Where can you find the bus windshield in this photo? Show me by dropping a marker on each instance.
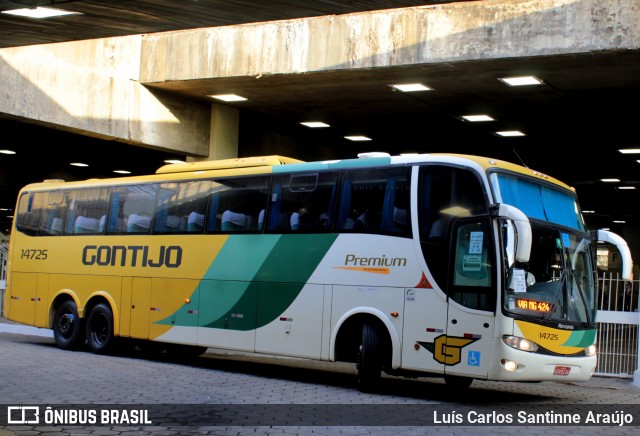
(557, 284)
(538, 201)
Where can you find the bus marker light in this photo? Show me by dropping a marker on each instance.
(187, 300)
(394, 314)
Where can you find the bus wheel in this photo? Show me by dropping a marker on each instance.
(100, 329)
(458, 383)
(370, 359)
(68, 330)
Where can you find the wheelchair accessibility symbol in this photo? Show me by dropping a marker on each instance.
(473, 358)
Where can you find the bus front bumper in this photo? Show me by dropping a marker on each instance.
(510, 364)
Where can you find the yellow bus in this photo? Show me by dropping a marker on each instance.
(458, 266)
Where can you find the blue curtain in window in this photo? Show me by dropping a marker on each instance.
(345, 202)
(332, 206)
(274, 210)
(561, 209)
(540, 202)
(213, 212)
(114, 208)
(386, 221)
(523, 195)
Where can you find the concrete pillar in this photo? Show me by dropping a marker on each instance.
(223, 134)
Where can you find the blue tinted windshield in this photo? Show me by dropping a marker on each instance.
(539, 201)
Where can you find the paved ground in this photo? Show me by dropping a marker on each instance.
(226, 394)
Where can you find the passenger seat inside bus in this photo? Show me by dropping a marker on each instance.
(138, 223)
(85, 224)
(195, 222)
(233, 221)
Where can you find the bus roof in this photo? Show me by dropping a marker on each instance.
(281, 164)
(487, 163)
(224, 164)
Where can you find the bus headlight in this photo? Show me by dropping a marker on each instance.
(520, 343)
(590, 350)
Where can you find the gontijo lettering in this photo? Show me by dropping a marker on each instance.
(132, 255)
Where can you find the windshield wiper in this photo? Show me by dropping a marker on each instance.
(554, 298)
(582, 297)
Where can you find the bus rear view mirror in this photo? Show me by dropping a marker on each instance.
(523, 230)
(623, 248)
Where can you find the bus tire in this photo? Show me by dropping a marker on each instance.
(68, 328)
(100, 329)
(370, 359)
(457, 382)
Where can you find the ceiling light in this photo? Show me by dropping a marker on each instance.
(619, 221)
(610, 180)
(7, 152)
(357, 138)
(227, 97)
(39, 12)
(626, 187)
(629, 150)
(78, 164)
(174, 161)
(314, 124)
(477, 118)
(521, 80)
(411, 87)
(588, 211)
(122, 171)
(508, 133)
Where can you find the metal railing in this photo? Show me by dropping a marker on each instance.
(618, 323)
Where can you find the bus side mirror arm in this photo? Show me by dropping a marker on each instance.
(523, 229)
(623, 248)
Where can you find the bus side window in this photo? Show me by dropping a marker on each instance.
(236, 204)
(375, 201)
(131, 208)
(445, 195)
(53, 214)
(302, 203)
(181, 207)
(30, 209)
(87, 210)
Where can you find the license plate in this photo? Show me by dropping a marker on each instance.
(561, 370)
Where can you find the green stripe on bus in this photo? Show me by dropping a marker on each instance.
(581, 338)
(277, 283)
(267, 269)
